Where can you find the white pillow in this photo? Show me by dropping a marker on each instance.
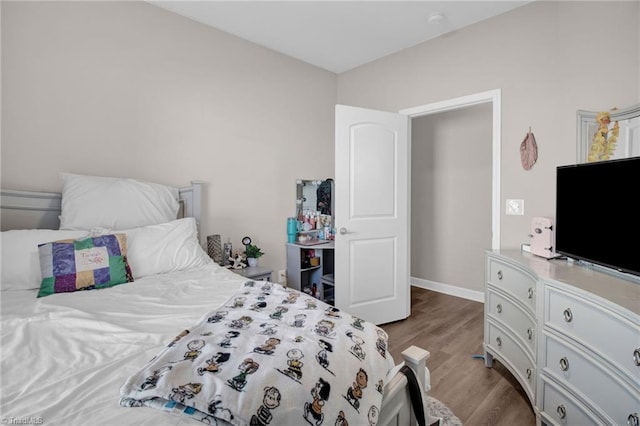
(20, 259)
(167, 247)
(115, 203)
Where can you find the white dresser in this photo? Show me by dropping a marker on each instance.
(569, 334)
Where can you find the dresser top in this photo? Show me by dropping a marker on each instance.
(622, 292)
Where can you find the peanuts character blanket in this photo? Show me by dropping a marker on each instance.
(269, 356)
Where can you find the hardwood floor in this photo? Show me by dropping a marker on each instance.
(451, 329)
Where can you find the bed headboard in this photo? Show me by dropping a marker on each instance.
(41, 210)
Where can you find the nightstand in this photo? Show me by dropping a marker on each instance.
(255, 273)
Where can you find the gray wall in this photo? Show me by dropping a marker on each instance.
(549, 58)
(129, 89)
(451, 196)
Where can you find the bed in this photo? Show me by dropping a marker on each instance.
(171, 337)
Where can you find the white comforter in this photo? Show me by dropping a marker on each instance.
(65, 356)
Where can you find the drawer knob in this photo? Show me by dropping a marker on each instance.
(528, 373)
(633, 420)
(561, 411)
(529, 333)
(499, 341)
(499, 275)
(530, 293)
(568, 315)
(636, 357)
(499, 308)
(564, 364)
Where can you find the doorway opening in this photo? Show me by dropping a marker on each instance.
(452, 203)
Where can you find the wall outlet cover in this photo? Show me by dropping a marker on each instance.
(515, 207)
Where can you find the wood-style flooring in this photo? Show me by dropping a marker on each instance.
(451, 329)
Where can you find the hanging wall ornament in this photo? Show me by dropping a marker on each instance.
(528, 151)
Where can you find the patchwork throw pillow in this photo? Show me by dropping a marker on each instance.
(84, 264)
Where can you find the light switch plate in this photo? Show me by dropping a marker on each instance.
(515, 207)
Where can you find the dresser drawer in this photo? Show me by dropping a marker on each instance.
(502, 344)
(559, 408)
(513, 317)
(513, 281)
(598, 384)
(608, 334)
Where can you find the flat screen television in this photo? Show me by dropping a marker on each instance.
(598, 213)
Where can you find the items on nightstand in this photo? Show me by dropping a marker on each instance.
(227, 252)
(253, 253)
(214, 248)
(238, 261)
(245, 242)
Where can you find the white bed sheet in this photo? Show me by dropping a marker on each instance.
(65, 356)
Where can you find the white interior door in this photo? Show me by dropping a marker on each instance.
(372, 259)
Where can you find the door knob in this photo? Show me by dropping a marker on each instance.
(343, 231)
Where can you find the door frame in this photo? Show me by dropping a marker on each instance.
(493, 96)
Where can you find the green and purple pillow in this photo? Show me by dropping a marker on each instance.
(84, 264)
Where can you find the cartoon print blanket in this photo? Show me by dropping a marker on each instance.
(269, 356)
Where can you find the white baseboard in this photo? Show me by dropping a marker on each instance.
(465, 293)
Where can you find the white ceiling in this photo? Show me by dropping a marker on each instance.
(337, 35)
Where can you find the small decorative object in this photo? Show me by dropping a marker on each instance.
(245, 242)
(227, 252)
(253, 253)
(237, 261)
(604, 140)
(214, 248)
(292, 229)
(310, 238)
(528, 151)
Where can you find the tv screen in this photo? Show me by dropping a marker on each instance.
(598, 213)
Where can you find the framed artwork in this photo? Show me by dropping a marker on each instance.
(607, 135)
